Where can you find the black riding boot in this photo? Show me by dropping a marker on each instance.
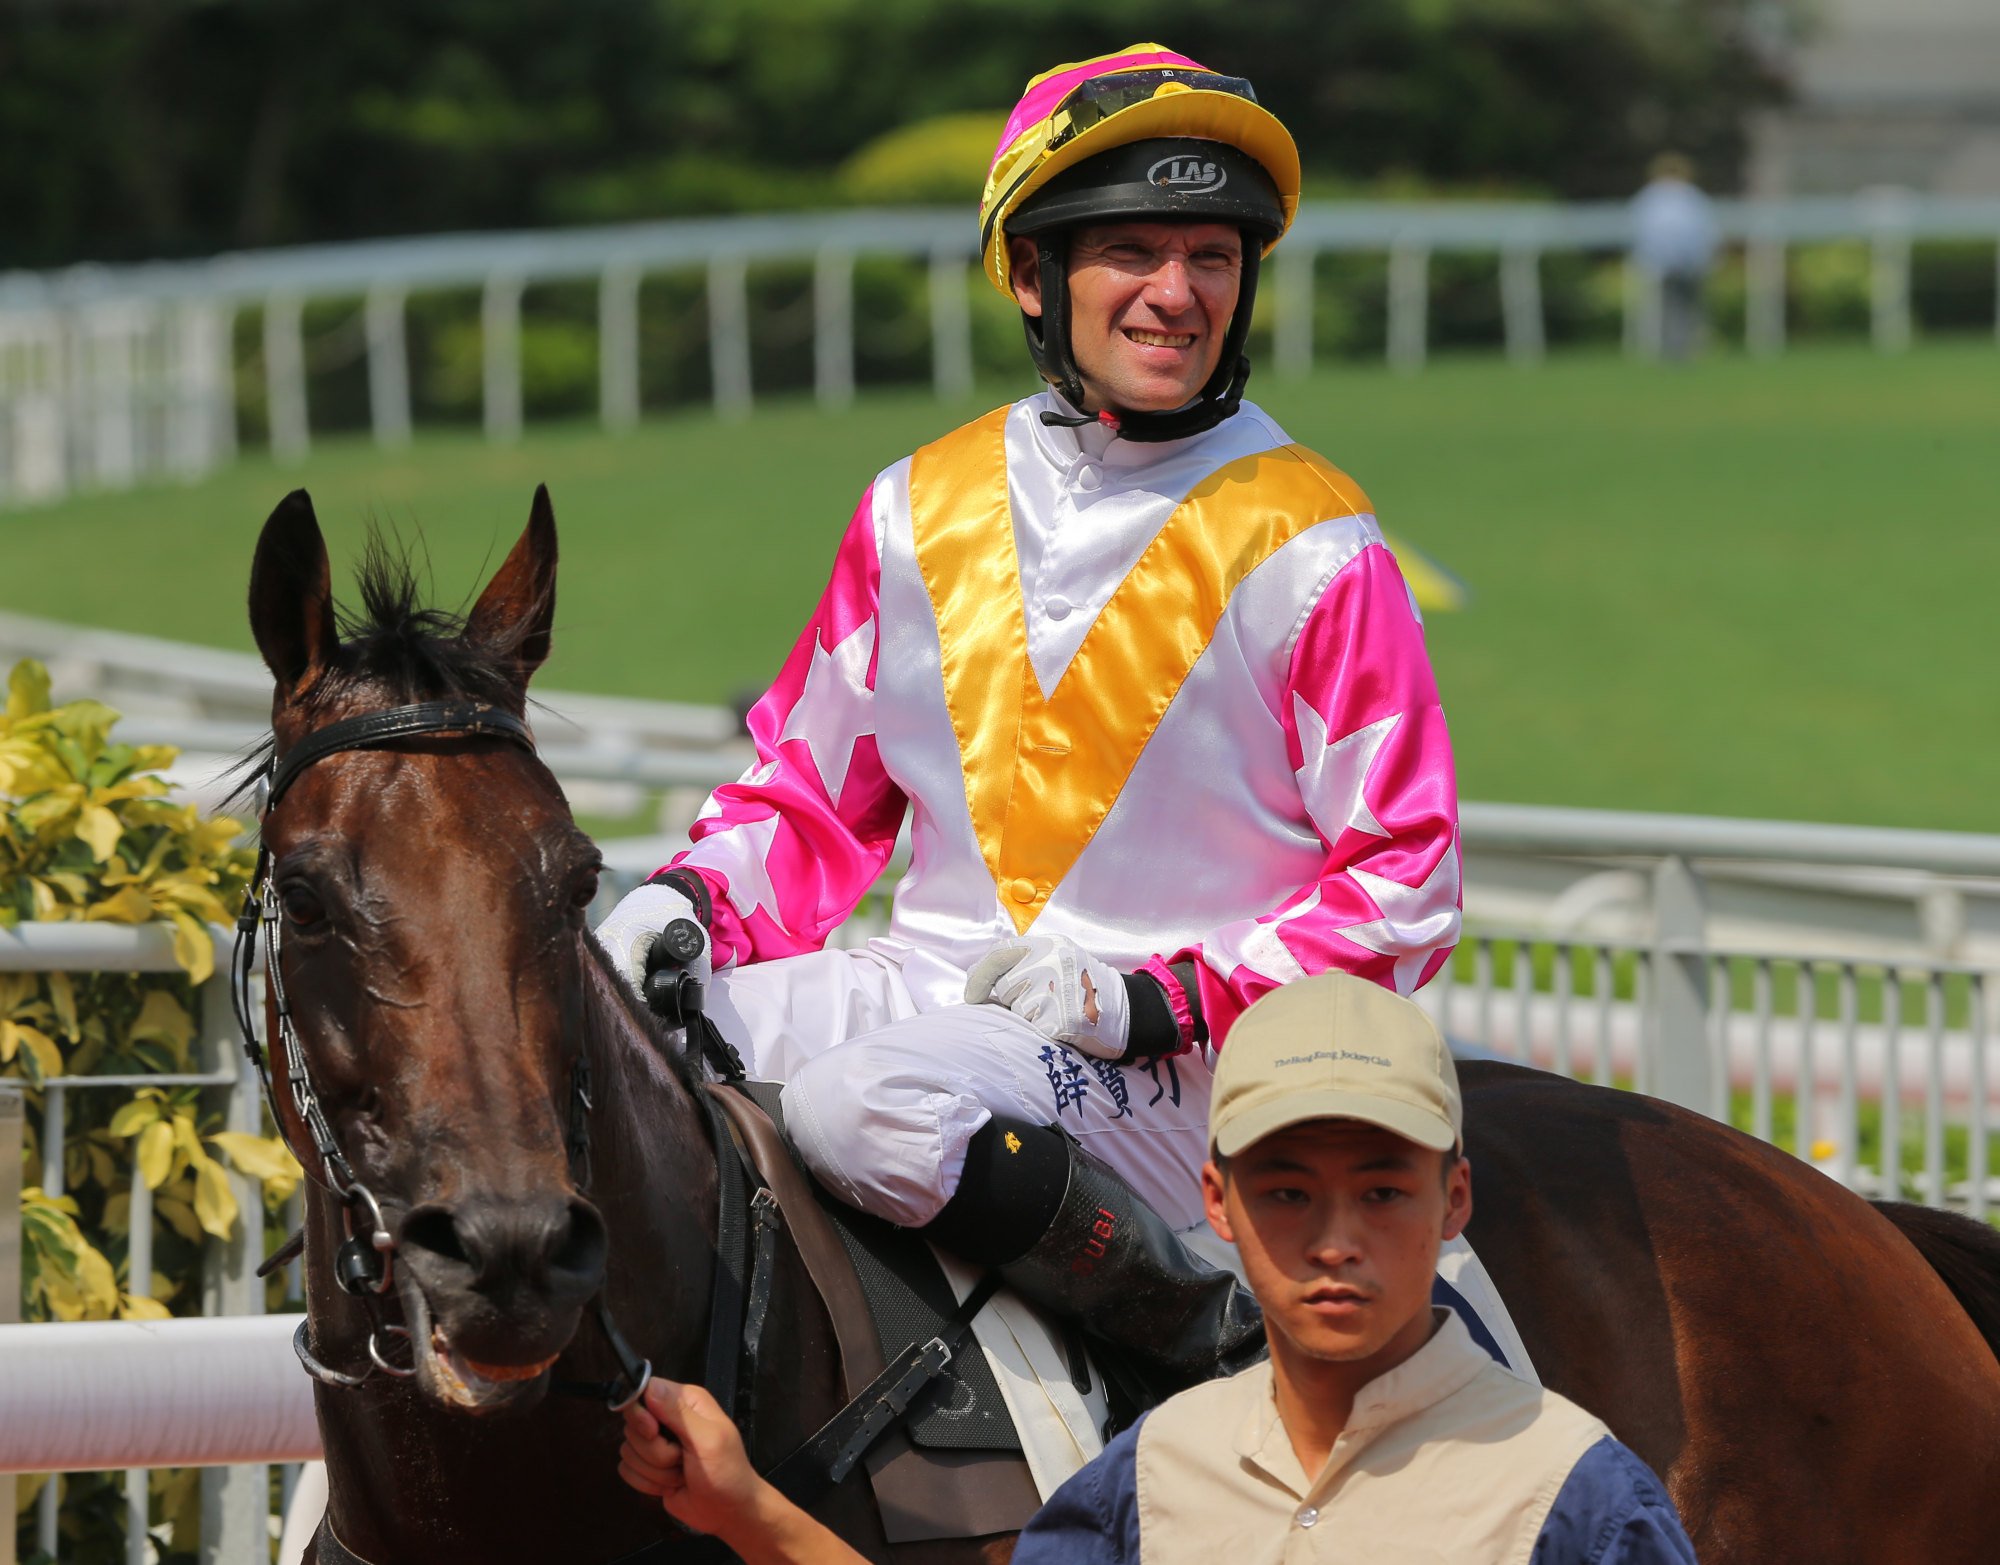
(1068, 1234)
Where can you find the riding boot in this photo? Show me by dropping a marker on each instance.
(1068, 1234)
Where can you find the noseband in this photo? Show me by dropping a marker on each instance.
(364, 1267)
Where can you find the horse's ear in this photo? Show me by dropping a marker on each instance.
(291, 597)
(515, 613)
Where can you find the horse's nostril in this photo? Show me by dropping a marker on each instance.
(435, 1228)
(581, 1249)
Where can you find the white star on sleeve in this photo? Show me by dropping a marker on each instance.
(1415, 920)
(1332, 777)
(756, 777)
(742, 855)
(1262, 950)
(836, 707)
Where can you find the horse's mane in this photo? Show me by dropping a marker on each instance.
(399, 649)
(398, 645)
(633, 1010)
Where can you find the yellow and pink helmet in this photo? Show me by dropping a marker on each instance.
(1075, 113)
(1140, 134)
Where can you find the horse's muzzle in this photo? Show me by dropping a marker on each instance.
(503, 1283)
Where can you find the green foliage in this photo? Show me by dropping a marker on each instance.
(193, 128)
(939, 162)
(89, 833)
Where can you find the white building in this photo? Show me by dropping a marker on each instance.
(1888, 92)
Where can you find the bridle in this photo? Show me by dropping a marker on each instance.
(364, 1267)
(748, 1217)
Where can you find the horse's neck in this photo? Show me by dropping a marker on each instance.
(408, 1479)
(653, 1175)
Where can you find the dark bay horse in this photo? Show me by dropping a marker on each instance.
(1774, 1346)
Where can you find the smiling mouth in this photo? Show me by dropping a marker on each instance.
(1161, 339)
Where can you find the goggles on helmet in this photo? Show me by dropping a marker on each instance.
(1103, 96)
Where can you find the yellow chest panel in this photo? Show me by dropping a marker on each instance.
(1041, 773)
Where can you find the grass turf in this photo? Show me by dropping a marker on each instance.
(1751, 588)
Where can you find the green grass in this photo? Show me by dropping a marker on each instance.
(1739, 588)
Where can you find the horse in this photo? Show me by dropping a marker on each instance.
(1789, 1358)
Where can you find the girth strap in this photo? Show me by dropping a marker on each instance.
(830, 1455)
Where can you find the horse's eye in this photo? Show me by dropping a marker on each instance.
(585, 892)
(301, 906)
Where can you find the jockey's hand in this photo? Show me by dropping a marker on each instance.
(633, 927)
(1059, 989)
(682, 1449)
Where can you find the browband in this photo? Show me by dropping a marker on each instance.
(375, 729)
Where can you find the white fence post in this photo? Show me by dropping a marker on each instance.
(10, 1267)
(1764, 295)
(1889, 290)
(618, 345)
(729, 334)
(500, 329)
(1679, 1066)
(139, 1283)
(235, 1501)
(951, 325)
(201, 417)
(55, 1104)
(388, 366)
(1292, 322)
(108, 347)
(1409, 304)
(39, 459)
(285, 377)
(1521, 303)
(1644, 318)
(833, 327)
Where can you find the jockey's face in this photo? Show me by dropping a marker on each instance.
(1338, 1224)
(1149, 306)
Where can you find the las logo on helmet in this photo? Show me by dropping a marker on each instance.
(1187, 174)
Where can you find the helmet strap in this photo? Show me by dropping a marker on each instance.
(1049, 344)
(1048, 333)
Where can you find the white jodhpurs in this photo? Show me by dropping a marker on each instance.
(881, 1098)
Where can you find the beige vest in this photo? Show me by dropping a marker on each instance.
(1448, 1458)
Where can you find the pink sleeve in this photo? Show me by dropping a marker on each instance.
(1366, 737)
(790, 847)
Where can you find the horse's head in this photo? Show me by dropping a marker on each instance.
(430, 898)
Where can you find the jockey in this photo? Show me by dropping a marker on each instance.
(1153, 697)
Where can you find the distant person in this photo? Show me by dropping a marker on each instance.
(1378, 1430)
(1674, 240)
(1153, 696)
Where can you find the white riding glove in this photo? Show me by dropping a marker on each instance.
(635, 924)
(1059, 989)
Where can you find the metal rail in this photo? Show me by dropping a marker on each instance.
(110, 374)
(234, 1500)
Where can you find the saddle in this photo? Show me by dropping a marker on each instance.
(951, 1463)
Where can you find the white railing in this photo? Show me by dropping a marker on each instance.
(235, 1504)
(108, 374)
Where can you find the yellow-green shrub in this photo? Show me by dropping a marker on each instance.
(89, 832)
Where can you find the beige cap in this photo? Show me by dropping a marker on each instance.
(1334, 1047)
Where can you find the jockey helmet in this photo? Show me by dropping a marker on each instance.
(1149, 134)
